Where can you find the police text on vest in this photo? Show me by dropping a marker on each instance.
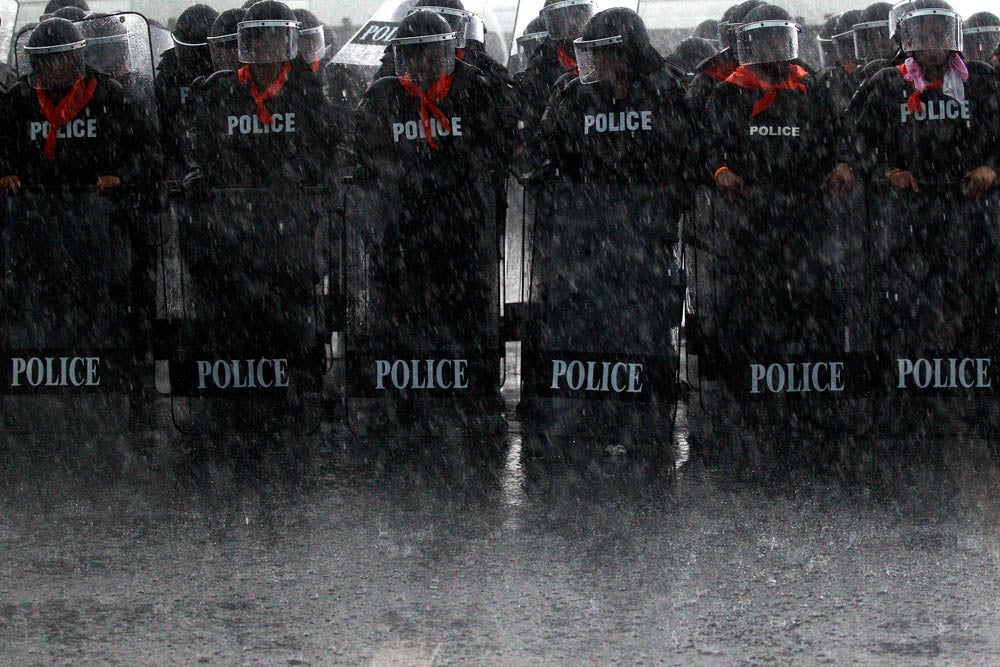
(280, 123)
(55, 371)
(243, 373)
(621, 121)
(797, 378)
(422, 373)
(617, 377)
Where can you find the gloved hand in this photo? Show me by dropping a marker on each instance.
(902, 180)
(10, 184)
(980, 180)
(108, 184)
(731, 185)
(840, 180)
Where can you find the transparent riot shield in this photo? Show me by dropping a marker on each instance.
(781, 325)
(68, 317)
(248, 327)
(599, 332)
(423, 354)
(362, 54)
(118, 45)
(935, 271)
(160, 40)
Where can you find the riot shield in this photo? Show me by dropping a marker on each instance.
(362, 54)
(68, 314)
(121, 49)
(423, 353)
(160, 40)
(935, 264)
(599, 356)
(783, 330)
(247, 349)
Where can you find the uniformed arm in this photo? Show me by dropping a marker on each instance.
(721, 154)
(374, 148)
(554, 145)
(140, 158)
(10, 161)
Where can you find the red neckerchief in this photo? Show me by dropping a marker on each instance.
(436, 93)
(59, 114)
(913, 102)
(745, 78)
(719, 72)
(460, 54)
(567, 61)
(850, 68)
(243, 75)
(315, 65)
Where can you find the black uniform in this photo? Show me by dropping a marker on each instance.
(940, 143)
(108, 137)
(235, 147)
(646, 137)
(173, 85)
(536, 83)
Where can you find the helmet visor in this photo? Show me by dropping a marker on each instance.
(597, 59)
(981, 43)
(224, 52)
(931, 30)
(425, 58)
(529, 43)
(312, 44)
(269, 41)
(828, 54)
(565, 20)
(871, 41)
(458, 19)
(767, 42)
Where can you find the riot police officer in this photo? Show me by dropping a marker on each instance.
(527, 43)
(266, 112)
(222, 40)
(189, 59)
(69, 124)
(720, 66)
(312, 39)
(981, 37)
(564, 20)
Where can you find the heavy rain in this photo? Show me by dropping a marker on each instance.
(484, 332)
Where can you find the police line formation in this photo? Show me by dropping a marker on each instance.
(822, 237)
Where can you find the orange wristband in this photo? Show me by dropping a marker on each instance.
(719, 171)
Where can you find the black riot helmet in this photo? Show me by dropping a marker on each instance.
(56, 50)
(707, 29)
(564, 19)
(424, 47)
(844, 37)
(533, 37)
(452, 11)
(190, 36)
(107, 44)
(871, 33)
(268, 33)
(312, 39)
(71, 14)
(930, 25)
(692, 51)
(614, 44)
(828, 54)
(768, 34)
(731, 20)
(222, 40)
(981, 36)
(55, 5)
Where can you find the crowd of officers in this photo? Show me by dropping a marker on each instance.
(249, 97)
(905, 98)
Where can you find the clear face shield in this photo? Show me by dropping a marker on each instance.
(599, 59)
(931, 30)
(58, 66)
(190, 54)
(845, 45)
(224, 52)
(981, 43)
(871, 41)
(109, 54)
(828, 55)
(459, 20)
(425, 58)
(529, 43)
(767, 42)
(565, 20)
(268, 41)
(312, 44)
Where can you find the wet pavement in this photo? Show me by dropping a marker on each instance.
(436, 558)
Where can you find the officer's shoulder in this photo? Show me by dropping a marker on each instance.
(980, 68)
(168, 61)
(219, 80)
(885, 76)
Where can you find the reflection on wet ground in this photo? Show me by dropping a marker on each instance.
(431, 554)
